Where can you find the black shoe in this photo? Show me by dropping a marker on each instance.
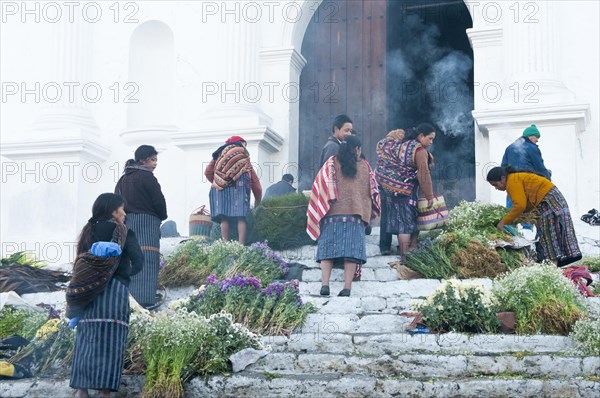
(344, 293)
(568, 260)
(324, 290)
(368, 230)
(386, 252)
(590, 216)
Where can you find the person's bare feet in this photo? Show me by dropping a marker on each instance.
(82, 393)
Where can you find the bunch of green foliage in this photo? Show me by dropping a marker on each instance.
(22, 258)
(543, 300)
(476, 220)
(281, 221)
(193, 261)
(586, 335)
(431, 261)
(20, 322)
(460, 307)
(181, 345)
(592, 263)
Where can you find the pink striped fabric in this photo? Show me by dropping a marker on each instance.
(324, 191)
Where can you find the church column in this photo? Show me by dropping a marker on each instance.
(530, 53)
(60, 158)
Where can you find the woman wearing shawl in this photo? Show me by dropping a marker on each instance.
(403, 169)
(556, 236)
(101, 335)
(146, 207)
(386, 160)
(344, 199)
(232, 177)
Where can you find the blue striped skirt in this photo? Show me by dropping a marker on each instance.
(144, 284)
(101, 339)
(556, 234)
(342, 237)
(233, 201)
(402, 213)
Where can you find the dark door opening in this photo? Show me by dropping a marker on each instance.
(430, 79)
(391, 64)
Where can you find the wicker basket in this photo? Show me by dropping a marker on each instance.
(200, 222)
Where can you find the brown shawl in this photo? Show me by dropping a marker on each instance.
(91, 274)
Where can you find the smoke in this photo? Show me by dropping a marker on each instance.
(432, 83)
(451, 102)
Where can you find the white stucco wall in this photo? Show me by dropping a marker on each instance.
(216, 46)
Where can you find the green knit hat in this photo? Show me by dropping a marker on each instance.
(531, 130)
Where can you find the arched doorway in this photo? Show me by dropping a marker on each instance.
(391, 64)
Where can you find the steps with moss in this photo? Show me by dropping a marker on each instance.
(357, 347)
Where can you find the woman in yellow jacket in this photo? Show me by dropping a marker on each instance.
(557, 241)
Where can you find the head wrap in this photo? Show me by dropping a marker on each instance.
(234, 138)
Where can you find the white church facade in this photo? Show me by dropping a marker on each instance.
(85, 83)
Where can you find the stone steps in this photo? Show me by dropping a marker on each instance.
(372, 344)
(426, 366)
(264, 384)
(335, 386)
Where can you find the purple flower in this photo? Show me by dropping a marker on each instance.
(276, 258)
(212, 279)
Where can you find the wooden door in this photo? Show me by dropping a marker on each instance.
(345, 49)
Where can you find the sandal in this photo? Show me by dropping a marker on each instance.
(589, 216)
(324, 290)
(344, 293)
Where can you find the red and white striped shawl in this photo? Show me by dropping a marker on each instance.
(324, 192)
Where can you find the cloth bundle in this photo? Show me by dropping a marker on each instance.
(92, 271)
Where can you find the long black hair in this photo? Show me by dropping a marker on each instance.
(422, 128)
(102, 210)
(496, 174)
(347, 155)
(142, 153)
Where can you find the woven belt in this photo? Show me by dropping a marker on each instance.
(341, 218)
(150, 248)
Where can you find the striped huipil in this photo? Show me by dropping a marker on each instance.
(143, 285)
(101, 339)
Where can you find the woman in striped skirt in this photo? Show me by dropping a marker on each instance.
(146, 207)
(343, 201)
(232, 178)
(101, 333)
(557, 241)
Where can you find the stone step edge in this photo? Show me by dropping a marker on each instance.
(356, 385)
(451, 343)
(355, 376)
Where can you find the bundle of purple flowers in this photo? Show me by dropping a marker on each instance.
(264, 247)
(276, 309)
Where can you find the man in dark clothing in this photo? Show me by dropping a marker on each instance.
(342, 128)
(281, 188)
